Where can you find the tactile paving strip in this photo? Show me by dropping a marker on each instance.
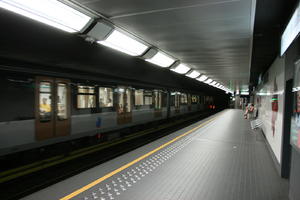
(113, 187)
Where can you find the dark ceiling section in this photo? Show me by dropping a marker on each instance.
(24, 41)
(270, 20)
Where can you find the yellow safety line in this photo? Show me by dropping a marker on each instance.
(90, 185)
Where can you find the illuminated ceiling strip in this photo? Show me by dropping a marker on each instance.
(202, 78)
(161, 60)
(193, 74)
(121, 42)
(208, 81)
(50, 12)
(291, 31)
(181, 69)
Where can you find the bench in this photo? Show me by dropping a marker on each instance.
(256, 123)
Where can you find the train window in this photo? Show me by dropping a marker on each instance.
(183, 99)
(157, 100)
(86, 89)
(124, 100)
(128, 100)
(194, 99)
(139, 97)
(62, 101)
(148, 97)
(45, 101)
(105, 97)
(86, 97)
(121, 100)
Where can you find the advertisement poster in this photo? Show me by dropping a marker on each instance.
(295, 122)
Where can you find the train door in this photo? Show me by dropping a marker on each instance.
(157, 103)
(52, 107)
(124, 114)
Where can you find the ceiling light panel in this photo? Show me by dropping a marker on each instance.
(209, 81)
(50, 12)
(181, 69)
(193, 74)
(213, 83)
(161, 60)
(121, 42)
(202, 78)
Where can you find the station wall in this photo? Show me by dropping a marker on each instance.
(270, 101)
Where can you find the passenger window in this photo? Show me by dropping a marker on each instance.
(139, 97)
(105, 97)
(157, 100)
(183, 99)
(128, 100)
(148, 97)
(86, 97)
(121, 101)
(62, 101)
(45, 101)
(172, 101)
(194, 99)
(175, 99)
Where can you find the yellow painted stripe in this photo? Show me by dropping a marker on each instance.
(90, 185)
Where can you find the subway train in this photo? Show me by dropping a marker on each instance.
(51, 109)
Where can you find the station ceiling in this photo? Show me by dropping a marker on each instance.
(212, 36)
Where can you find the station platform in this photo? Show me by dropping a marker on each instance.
(218, 158)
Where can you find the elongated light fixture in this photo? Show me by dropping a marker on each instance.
(161, 60)
(193, 74)
(209, 81)
(121, 42)
(51, 12)
(181, 69)
(202, 78)
(213, 83)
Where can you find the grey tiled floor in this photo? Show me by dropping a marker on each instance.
(223, 160)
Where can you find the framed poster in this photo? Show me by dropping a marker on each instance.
(295, 122)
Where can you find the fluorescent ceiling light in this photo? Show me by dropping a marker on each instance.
(209, 81)
(291, 31)
(181, 69)
(193, 74)
(51, 12)
(161, 59)
(121, 42)
(244, 93)
(202, 78)
(213, 83)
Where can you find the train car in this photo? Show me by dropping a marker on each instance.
(52, 109)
